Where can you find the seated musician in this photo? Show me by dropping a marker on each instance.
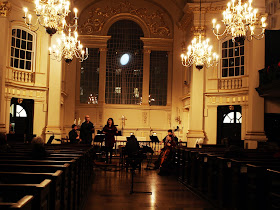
(132, 146)
(170, 133)
(73, 135)
(166, 152)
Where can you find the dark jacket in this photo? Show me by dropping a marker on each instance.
(110, 133)
(73, 136)
(86, 132)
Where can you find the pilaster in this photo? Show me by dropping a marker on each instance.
(146, 77)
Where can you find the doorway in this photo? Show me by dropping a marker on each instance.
(229, 125)
(21, 118)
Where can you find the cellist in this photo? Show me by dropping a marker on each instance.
(167, 151)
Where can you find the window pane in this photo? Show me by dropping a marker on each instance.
(224, 53)
(30, 37)
(22, 54)
(23, 44)
(236, 51)
(29, 45)
(237, 61)
(12, 51)
(242, 50)
(17, 53)
(237, 71)
(89, 84)
(231, 62)
(18, 33)
(16, 63)
(21, 64)
(18, 43)
(242, 70)
(23, 34)
(158, 78)
(242, 60)
(230, 53)
(225, 44)
(231, 72)
(12, 62)
(28, 65)
(125, 39)
(28, 55)
(225, 62)
(224, 72)
(230, 43)
(13, 41)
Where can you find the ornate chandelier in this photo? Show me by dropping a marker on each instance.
(199, 52)
(50, 14)
(240, 22)
(67, 47)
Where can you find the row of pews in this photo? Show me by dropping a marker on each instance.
(61, 181)
(248, 182)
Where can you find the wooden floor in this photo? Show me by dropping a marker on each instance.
(111, 190)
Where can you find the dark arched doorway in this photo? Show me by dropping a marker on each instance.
(21, 118)
(229, 120)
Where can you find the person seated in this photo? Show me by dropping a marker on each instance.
(132, 146)
(132, 150)
(4, 147)
(73, 135)
(38, 149)
(171, 133)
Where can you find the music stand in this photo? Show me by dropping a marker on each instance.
(99, 138)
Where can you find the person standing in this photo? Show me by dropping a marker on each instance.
(110, 131)
(73, 135)
(86, 131)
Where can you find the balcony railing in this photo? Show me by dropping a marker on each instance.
(20, 76)
(230, 83)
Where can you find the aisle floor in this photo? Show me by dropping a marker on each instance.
(111, 190)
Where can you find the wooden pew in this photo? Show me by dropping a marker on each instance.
(44, 169)
(273, 178)
(25, 203)
(40, 191)
(31, 178)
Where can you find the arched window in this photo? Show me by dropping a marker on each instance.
(232, 58)
(124, 66)
(233, 117)
(18, 112)
(22, 49)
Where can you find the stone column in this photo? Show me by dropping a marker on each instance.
(255, 112)
(196, 130)
(146, 78)
(102, 76)
(4, 44)
(54, 97)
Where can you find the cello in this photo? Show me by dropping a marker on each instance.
(169, 144)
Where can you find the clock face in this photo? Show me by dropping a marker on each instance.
(124, 59)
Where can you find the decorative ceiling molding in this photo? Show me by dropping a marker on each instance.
(5, 8)
(98, 15)
(207, 7)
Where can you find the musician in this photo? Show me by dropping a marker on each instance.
(171, 133)
(110, 131)
(166, 154)
(132, 146)
(86, 129)
(73, 135)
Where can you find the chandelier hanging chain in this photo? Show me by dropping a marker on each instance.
(240, 22)
(199, 52)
